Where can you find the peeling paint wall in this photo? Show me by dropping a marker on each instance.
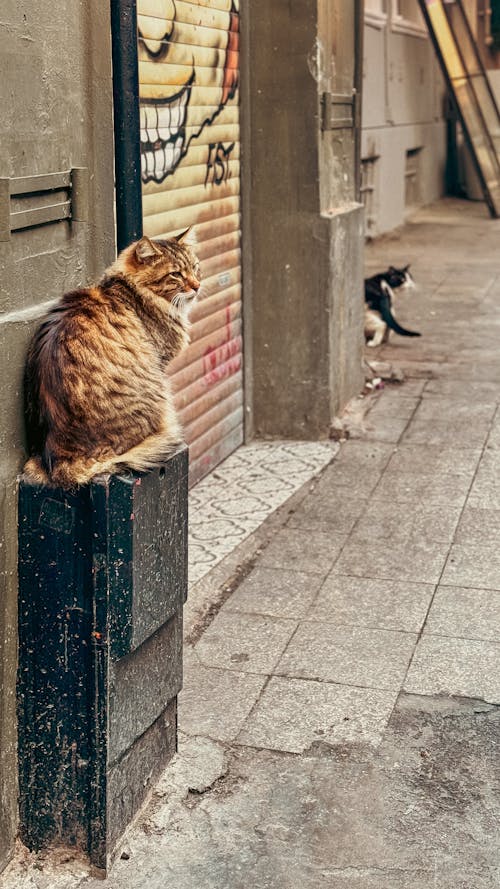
(56, 99)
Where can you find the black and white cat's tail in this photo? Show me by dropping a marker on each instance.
(388, 317)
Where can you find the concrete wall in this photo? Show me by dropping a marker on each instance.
(302, 229)
(403, 109)
(56, 99)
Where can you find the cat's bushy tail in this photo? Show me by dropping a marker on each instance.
(67, 473)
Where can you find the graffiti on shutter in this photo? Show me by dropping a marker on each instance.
(190, 164)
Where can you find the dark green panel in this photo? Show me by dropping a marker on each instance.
(103, 578)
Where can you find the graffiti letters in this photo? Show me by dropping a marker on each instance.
(218, 163)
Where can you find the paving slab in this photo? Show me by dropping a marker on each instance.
(473, 566)
(313, 553)
(452, 409)
(357, 466)
(293, 714)
(415, 560)
(328, 509)
(445, 432)
(466, 668)
(447, 489)
(246, 643)
(433, 460)
(486, 391)
(370, 658)
(466, 613)
(276, 593)
(390, 430)
(365, 602)
(393, 521)
(493, 441)
(478, 526)
(394, 406)
(485, 494)
(214, 702)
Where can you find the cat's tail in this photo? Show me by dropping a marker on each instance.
(63, 473)
(35, 471)
(151, 452)
(388, 317)
(70, 473)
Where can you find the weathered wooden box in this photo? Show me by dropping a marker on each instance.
(102, 582)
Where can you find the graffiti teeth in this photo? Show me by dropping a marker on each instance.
(164, 116)
(162, 136)
(169, 156)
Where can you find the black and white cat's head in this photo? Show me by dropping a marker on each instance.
(399, 278)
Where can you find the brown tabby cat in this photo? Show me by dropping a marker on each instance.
(97, 397)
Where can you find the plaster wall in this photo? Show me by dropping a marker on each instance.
(403, 109)
(56, 99)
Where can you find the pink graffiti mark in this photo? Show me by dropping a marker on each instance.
(222, 361)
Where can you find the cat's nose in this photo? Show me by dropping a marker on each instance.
(193, 283)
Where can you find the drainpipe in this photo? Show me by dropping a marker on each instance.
(126, 122)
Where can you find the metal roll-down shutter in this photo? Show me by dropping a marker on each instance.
(190, 150)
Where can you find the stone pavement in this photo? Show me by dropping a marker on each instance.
(228, 505)
(340, 721)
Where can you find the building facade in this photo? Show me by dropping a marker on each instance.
(404, 139)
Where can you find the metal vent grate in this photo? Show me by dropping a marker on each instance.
(30, 201)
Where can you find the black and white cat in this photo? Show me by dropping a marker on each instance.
(379, 294)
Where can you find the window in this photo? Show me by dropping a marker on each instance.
(412, 177)
(375, 13)
(407, 18)
(368, 190)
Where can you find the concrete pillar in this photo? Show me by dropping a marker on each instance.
(302, 233)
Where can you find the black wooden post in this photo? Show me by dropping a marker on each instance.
(102, 581)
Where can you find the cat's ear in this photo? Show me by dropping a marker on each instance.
(146, 249)
(186, 237)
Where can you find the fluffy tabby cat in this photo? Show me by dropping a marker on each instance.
(96, 393)
(379, 294)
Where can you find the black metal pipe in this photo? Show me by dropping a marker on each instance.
(126, 122)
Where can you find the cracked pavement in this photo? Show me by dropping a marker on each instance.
(340, 722)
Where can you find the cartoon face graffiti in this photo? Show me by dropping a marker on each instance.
(188, 71)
